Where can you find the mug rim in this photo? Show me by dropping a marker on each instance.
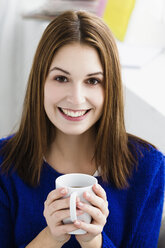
(58, 180)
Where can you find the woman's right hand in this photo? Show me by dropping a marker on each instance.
(56, 209)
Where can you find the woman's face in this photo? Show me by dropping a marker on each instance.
(73, 91)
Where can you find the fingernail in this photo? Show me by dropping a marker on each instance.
(77, 222)
(87, 195)
(80, 204)
(96, 186)
(63, 191)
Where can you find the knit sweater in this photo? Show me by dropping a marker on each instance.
(134, 213)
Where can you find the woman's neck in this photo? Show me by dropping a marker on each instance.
(72, 153)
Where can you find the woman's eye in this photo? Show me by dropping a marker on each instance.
(61, 79)
(93, 81)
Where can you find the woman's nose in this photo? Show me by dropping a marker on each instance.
(76, 94)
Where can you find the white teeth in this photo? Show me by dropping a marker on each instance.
(73, 113)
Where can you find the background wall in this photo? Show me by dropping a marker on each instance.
(18, 41)
(142, 57)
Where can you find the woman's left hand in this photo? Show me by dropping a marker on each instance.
(99, 213)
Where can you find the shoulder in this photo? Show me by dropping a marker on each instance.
(150, 162)
(9, 179)
(3, 142)
(145, 152)
(5, 148)
(5, 184)
(149, 153)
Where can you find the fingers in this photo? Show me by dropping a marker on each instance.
(58, 204)
(89, 228)
(100, 200)
(56, 194)
(56, 209)
(59, 216)
(99, 191)
(97, 202)
(95, 213)
(62, 230)
(98, 210)
(53, 204)
(67, 228)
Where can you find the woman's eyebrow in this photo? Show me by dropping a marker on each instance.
(59, 69)
(95, 73)
(66, 72)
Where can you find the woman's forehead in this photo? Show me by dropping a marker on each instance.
(77, 56)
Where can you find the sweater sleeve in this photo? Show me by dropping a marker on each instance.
(107, 243)
(6, 225)
(146, 231)
(145, 208)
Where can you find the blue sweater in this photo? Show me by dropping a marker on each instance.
(135, 212)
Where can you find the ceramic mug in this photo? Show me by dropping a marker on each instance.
(77, 184)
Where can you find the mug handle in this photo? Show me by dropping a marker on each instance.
(73, 215)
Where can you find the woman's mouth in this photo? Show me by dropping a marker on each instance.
(76, 115)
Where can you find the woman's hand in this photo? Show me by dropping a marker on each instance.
(99, 212)
(56, 209)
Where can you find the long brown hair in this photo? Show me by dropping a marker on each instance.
(25, 149)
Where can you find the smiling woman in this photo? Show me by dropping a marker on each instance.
(73, 122)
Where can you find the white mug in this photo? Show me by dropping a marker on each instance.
(77, 184)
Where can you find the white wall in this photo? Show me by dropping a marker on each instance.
(19, 38)
(143, 120)
(143, 62)
(147, 23)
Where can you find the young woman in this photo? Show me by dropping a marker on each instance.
(73, 121)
